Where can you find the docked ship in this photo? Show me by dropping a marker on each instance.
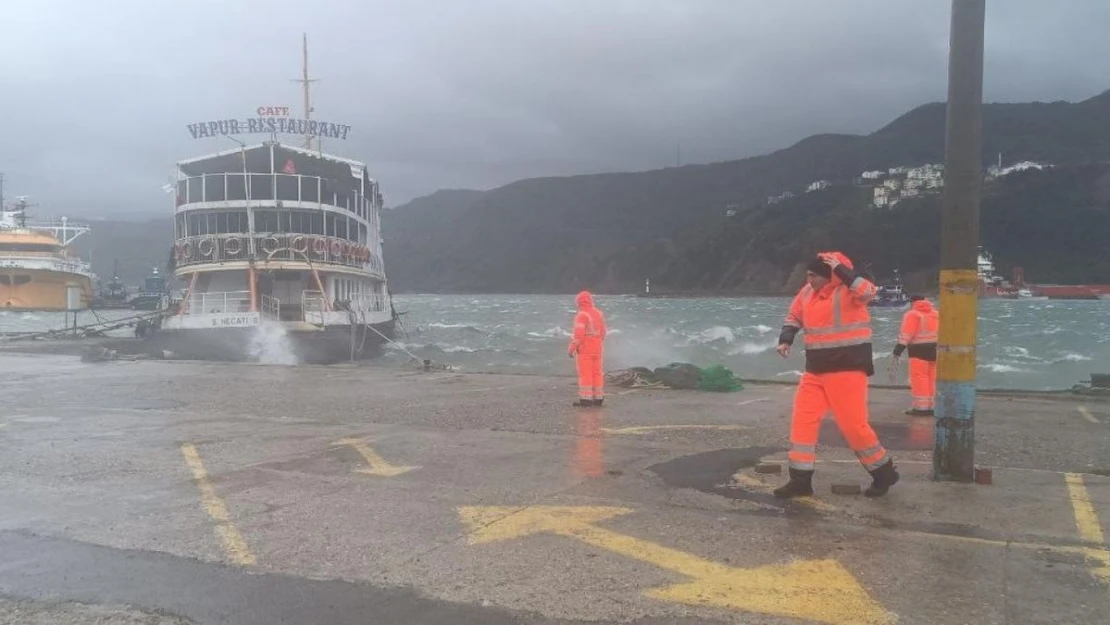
(993, 285)
(154, 294)
(37, 269)
(113, 294)
(277, 242)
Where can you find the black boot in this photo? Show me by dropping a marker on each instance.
(583, 403)
(598, 402)
(915, 412)
(800, 485)
(882, 479)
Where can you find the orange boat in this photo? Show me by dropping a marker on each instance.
(37, 271)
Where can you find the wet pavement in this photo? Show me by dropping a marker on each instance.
(172, 492)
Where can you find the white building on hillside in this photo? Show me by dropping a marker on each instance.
(820, 185)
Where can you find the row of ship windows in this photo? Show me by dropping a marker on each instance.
(292, 188)
(299, 221)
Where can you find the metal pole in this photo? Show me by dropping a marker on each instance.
(954, 449)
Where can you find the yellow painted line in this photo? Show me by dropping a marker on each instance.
(1090, 529)
(821, 591)
(378, 465)
(644, 429)
(1087, 414)
(234, 546)
(753, 483)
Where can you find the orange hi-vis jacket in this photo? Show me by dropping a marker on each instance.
(589, 327)
(835, 321)
(919, 331)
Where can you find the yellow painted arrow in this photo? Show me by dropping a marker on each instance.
(817, 590)
(378, 465)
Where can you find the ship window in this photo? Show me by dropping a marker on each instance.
(341, 227)
(266, 221)
(261, 187)
(287, 188)
(310, 189)
(214, 188)
(236, 190)
(196, 189)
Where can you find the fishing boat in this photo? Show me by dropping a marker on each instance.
(154, 293)
(38, 271)
(891, 295)
(278, 243)
(114, 294)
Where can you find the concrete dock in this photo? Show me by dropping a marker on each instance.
(172, 493)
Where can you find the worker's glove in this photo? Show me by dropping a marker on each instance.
(572, 352)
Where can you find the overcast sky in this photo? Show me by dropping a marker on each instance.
(95, 96)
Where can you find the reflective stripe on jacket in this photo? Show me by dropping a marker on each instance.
(919, 331)
(836, 323)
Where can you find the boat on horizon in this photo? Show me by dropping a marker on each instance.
(890, 295)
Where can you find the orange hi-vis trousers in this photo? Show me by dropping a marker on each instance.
(591, 376)
(923, 383)
(845, 394)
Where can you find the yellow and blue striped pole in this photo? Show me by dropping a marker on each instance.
(954, 448)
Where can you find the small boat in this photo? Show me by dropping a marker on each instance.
(153, 295)
(891, 295)
(114, 294)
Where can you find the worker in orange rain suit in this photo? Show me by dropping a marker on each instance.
(832, 311)
(586, 348)
(919, 336)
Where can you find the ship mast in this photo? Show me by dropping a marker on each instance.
(305, 87)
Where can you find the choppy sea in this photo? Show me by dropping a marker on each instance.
(1023, 344)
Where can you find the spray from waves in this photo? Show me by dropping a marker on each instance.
(550, 333)
(750, 349)
(713, 335)
(1071, 357)
(271, 345)
(762, 329)
(795, 373)
(1001, 368)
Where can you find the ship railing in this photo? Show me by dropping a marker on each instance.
(218, 303)
(270, 307)
(230, 187)
(313, 305)
(277, 247)
(65, 263)
(366, 302)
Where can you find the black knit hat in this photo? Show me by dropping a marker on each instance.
(916, 298)
(819, 267)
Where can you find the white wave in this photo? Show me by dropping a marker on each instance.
(550, 333)
(1001, 368)
(1073, 357)
(1052, 330)
(1016, 351)
(714, 334)
(762, 329)
(794, 373)
(750, 348)
(271, 345)
(453, 349)
(449, 326)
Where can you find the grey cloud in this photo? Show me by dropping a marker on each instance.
(475, 94)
